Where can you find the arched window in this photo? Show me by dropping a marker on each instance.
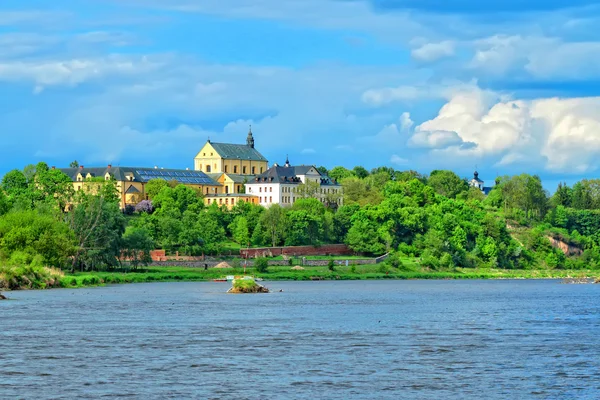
(244, 170)
(235, 169)
(226, 169)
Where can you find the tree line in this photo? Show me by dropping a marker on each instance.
(438, 218)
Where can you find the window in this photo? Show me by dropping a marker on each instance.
(226, 201)
(270, 199)
(271, 189)
(211, 154)
(244, 170)
(226, 189)
(204, 154)
(207, 191)
(220, 201)
(261, 170)
(208, 168)
(260, 190)
(232, 201)
(235, 169)
(226, 169)
(253, 170)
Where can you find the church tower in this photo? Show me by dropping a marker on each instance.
(250, 138)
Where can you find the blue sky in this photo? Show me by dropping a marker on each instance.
(507, 86)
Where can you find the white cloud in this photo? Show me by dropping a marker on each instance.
(435, 139)
(308, 151)
(405, 122)
(565, 132)
(75, 71)
(396, 159)
(537, 56)
(430, 52)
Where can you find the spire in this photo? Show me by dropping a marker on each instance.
(250, 138)
(287, 161)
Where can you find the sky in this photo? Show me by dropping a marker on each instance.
(502, 86)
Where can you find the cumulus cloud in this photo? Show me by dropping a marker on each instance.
(565, 132)
(430, 52)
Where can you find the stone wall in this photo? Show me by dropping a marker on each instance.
(298, 251)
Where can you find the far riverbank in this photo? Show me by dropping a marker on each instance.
(32, 278)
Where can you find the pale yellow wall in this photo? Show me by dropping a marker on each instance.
(208, 156)
(230, 202)
(133, 199)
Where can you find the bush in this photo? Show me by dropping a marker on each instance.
(331, 265)
(353, 269)
(261, 265)
(129, 209)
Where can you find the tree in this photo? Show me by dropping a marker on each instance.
(563, 195)
(360, 172)
(240, 231)
(14, 183)
(74, 164)
(4, 203)
(273, 220)
(154, 186)
(447, 183)
(98, 225)
(340, 173)
(308, 189)
(137, 245)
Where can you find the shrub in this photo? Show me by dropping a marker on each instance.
(261, 265)
(129, 209)
(353, 269)
(331, 265)
(144, 206)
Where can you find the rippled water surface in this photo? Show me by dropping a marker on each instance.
(316, 340)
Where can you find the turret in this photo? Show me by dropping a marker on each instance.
(250, 138)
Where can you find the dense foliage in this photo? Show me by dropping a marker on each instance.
(438, 219)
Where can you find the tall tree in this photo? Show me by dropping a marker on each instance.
(273, 220)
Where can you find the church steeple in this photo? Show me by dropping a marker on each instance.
(287, 161)
(250, 138)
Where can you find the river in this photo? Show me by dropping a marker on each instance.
(315, 340)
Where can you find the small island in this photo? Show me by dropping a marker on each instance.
(246, 284)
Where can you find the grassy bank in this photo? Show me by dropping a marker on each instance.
(12, 278)
(370, 272)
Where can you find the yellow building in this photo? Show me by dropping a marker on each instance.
(230, 200)
(227, 158)
(131, 181)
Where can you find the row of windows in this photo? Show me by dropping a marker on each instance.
(265, 199)
(209, 168)
(327, 191)
(270, 189)
(287, 199)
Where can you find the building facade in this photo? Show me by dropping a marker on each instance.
(285, 184)
(227, 158)
(479, 184)
(131, 181)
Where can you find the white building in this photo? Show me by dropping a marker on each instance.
(479, 184)
(285, 184)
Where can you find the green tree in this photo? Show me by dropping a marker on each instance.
(154, 186)
(360, 172)
(340, 173)
(273, 221)
(137, 245)
(447, 183)
(74, 164)
(240, 230)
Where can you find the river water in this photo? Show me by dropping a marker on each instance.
(315, 340)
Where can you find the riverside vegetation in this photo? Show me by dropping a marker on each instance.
(434, 226)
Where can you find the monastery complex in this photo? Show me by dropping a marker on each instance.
(226, 174)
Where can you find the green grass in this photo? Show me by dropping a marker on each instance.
(359, 272)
